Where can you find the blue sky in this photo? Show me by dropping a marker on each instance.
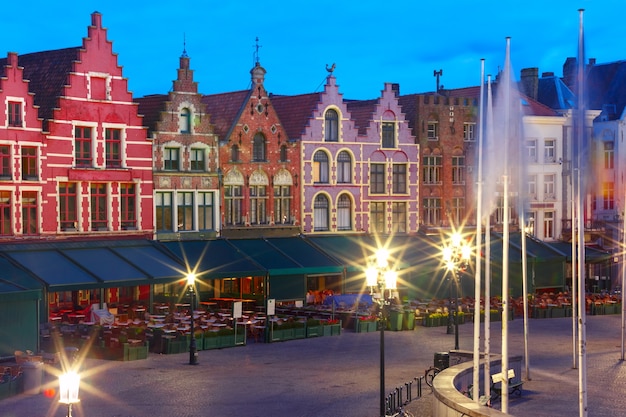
(371, 42)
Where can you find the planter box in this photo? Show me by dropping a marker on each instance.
(210, 342)
(332, 329)
(283, 334)
(433, 321)
(314, 331)
(557, 312)
(133, 353)
(365, 326)
(299, 333)
(394, 322)
(408, 321)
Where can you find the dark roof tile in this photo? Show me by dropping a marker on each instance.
(224, 110)
(295, 112)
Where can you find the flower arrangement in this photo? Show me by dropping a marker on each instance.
(368, 318)
(330, 321)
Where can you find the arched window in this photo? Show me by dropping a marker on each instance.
(344, 168)
(258, 148)
(320, 213)
(331, 119)
(185, 121)
(344, 213)
(320, 167)
(234, 153)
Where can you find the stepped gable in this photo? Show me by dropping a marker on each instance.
(150, 107)
(295, 112)
(362, 113)
(224, 109)
(47, 73)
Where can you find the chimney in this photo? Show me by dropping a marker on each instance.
(395, 87)
(547, 74)
(530, 82)
(569, 72)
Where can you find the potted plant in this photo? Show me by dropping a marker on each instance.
(433, 320)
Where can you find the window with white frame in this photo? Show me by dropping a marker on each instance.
(432, 169)
(458, 170)
(321, 213)
(431, 214)
(609, 155)
(164, 211)
(469, 132)
(171, 159)
(458, 210)
(532, 186)
(432, 132)
(15, 114)
(399, 179)
(608, 195)
(206, 211)
(233, 200)
(549, 186)
(549, 150)
(258, 204)
(185, 120)
(548, 224)
(344, 168)
(184, 211)
(531, 149)
(197, 159)
(331, 126)
(282, 204)
(320, 167)
(344, 212)
(398, 216)
(258, 148)
(377, 217)
(377, 178)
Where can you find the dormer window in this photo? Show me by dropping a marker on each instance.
(185, 121)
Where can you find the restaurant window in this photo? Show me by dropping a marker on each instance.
(377, 178)
(331, 126)
(184, 211)
(432, 170)
(344, 168)
(29, 163)
(320, 167)
(344, 212)
(29, 213)
(67, 206)
(15, 114)
(5, 161)
(431, 214)
(99, 217)
(258, 148)
(128, 206)
(399, 178)
(164, 211)
(171, 159)
(205, 211)
(113, 139)
(185, 120)
(458, 170)
(82, 146)
(197, 159)
(398, 217)
(258, 204)
(282, 204)
(321, 214)
(233, 199)
(388, 135)
(377, 217)
(5, 213)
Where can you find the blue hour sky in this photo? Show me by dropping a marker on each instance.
(371, 42)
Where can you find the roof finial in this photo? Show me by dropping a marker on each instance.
(331, 68)
(256, 52)
(184, 55)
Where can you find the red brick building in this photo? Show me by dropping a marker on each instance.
(260, 165)
(185, 152)
(75, 158)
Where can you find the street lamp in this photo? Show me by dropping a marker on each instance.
(380, 278)
(456, 256)
(193, 351)
(68, 390)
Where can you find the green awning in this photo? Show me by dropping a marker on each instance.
(69, 266)
(211, 259)
(264, 254)
(310, 258)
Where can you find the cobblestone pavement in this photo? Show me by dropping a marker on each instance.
(338, 376)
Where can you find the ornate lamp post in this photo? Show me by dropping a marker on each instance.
(380, 278)
(68, 390)
(193, 351)
(456, 256)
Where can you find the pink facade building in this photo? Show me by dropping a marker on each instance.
(75, 157)
(359, 162)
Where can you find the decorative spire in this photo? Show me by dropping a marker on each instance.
(184, 55)
(256, 52)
